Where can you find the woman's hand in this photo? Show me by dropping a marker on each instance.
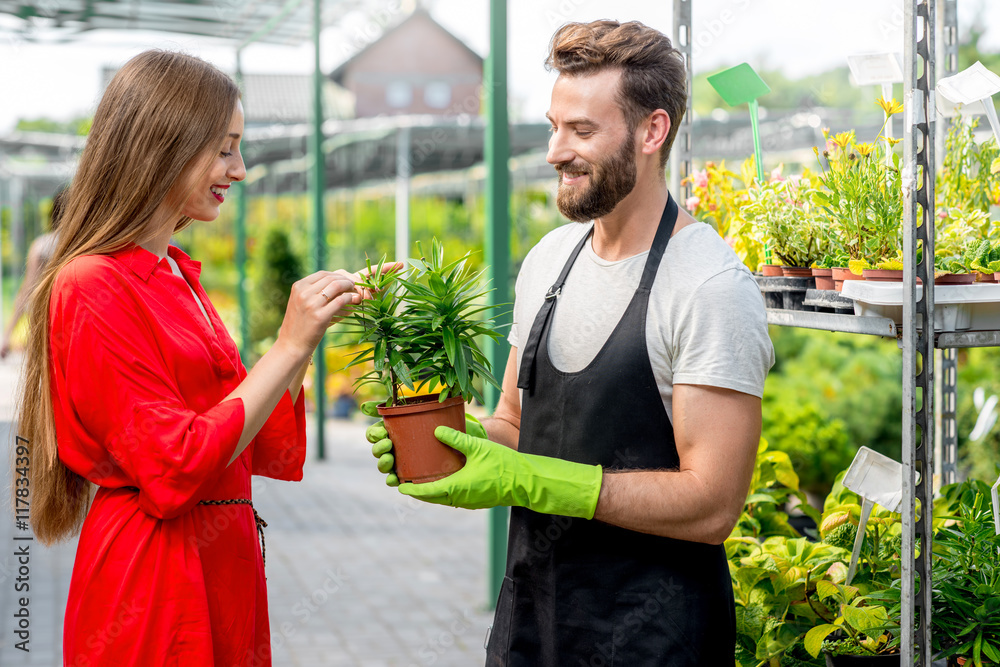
(313, 305)
(319, 301)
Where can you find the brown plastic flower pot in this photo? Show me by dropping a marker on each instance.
(420, 457)
(986, 277)
(883, 275)
(840, 274)
(796, 272)
(770, 270)
(955, 279)
(824, 278)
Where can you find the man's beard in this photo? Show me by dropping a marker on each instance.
(611, 180)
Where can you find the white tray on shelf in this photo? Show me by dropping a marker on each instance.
(956, 307)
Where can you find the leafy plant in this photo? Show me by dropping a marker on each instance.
(773, 485)
(958, 236)
(966, 576)
(421, 328)
(986, 256)
(869, 623)
(967, 178)
(861, 194)
(773, 582)
(781, 212)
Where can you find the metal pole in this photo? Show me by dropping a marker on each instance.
(949, 416)
(241, 238)
(403, 194)
(497, 152)
(680, 153)
(947, 58)
(318, 186)
(918, 331)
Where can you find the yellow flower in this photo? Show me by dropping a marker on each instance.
(844, 138)
(892, 142)
(865, 149)
(890, 108)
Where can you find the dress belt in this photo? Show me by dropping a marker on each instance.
(261, 524)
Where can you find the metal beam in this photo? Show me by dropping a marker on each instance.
(497, 152)
(403, 193)
(241, 239)
(318, 186)
(918, 330)
(680, 153)
(949, 416)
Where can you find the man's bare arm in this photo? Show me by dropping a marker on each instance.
(717, 432)
(504, 426)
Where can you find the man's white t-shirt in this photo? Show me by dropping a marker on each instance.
(705, 323)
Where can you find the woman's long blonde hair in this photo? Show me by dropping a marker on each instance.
(159, 116)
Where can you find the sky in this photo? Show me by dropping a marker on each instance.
(62, 81)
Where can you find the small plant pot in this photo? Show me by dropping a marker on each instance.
(885, 660)
(985, 277)
(420, 457)
(883, 275)
(824, 279)
(955, 279)
(770, 270)
(796, 272)
(840, 274)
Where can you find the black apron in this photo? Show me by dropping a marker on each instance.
(583, 593)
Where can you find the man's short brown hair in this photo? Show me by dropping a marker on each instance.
(653, 75)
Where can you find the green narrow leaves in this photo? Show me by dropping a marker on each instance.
(423, 326)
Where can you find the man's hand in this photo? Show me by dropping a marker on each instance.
(382, 445)
(495, 475)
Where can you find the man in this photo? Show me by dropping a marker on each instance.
(640, 349)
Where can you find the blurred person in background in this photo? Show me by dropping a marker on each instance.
(39, 253)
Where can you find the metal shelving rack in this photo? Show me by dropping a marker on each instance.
(916, 336)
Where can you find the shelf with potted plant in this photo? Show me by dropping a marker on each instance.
(420, 330)
(795, 604)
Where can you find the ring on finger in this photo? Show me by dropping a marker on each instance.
(326, 296)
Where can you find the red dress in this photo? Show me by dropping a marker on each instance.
(138, 382)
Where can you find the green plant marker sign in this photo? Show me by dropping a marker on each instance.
(742, 85)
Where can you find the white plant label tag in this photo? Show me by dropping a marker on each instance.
(970, 85)
(876, 477)
(873, 69)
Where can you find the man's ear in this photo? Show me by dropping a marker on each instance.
(655, 130)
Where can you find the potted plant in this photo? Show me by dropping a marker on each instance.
(862, 195)
(420, 331)
(868, 626)
(782, 213)
(966, 576)
(860, 623)
(773, 567)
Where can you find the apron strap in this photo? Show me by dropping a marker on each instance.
(525, 374)
(663, 233)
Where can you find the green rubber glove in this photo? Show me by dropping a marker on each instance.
(382, 445)
(496, 475)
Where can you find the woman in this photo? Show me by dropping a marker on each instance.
(134, 385)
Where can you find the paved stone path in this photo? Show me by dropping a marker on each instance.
(357, 574)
